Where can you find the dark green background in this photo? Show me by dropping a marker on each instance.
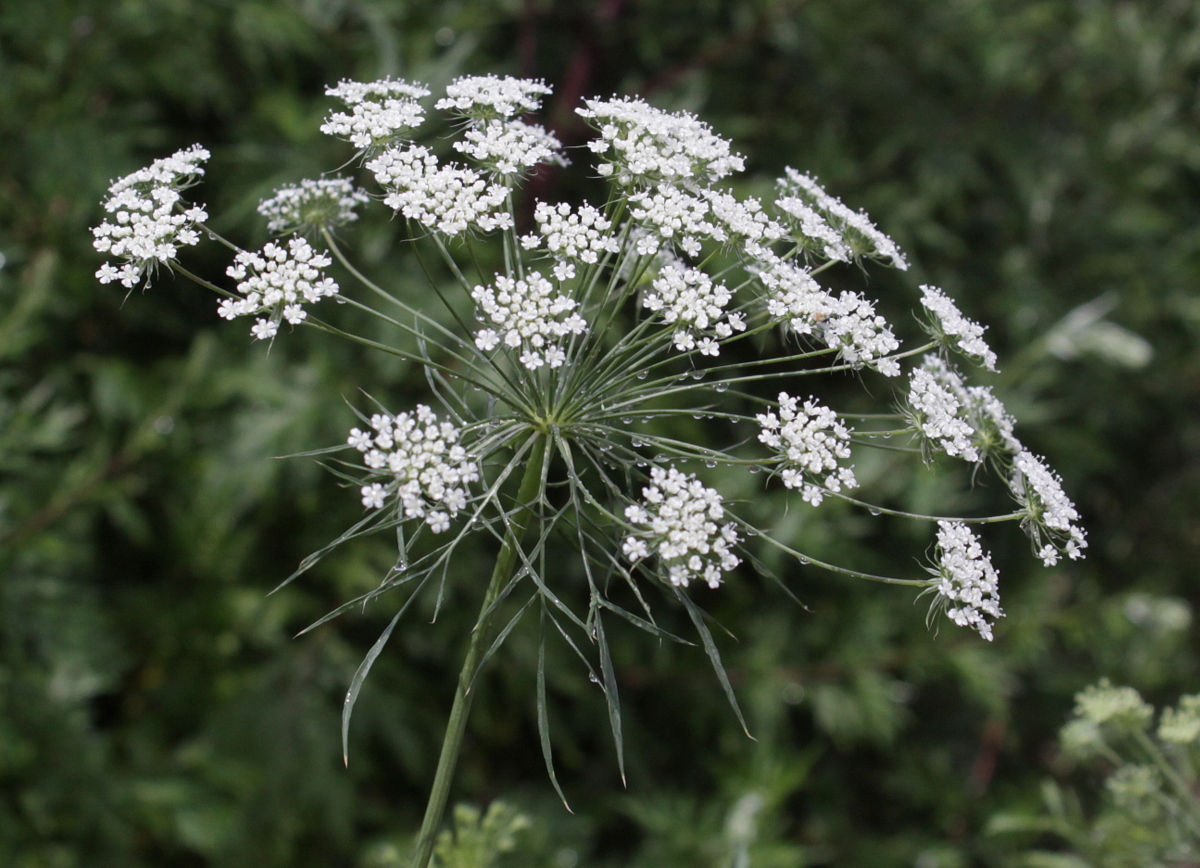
(1030, 156)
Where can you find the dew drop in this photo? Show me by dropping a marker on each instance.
(592, 678)
(804, 561)
(710, 464)
(754, 468)
(626, 421)
(720, 387)
(697, 375)
(697, 415)
(641, 375)
(873, 510)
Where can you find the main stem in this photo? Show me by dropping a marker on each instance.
(531, 484)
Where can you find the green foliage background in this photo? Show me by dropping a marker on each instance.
(1031, 156)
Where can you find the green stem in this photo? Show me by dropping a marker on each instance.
(531, 485)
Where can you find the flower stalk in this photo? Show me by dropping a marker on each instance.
(527, 496)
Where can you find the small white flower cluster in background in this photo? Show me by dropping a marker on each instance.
(321, 204)
(146, 226)
(644, 145)
(1181, 725)
(276, 281)
(1050, 511)
(529, 316)
(677, 521)
(991, 424)
(509, 149)
(571, 236)
(966, 580)
(809, 440)
(950, 326)
(934, 411)
(847, 324)
(688, 299)
(856, 229)
(381, 112)
(427, 465)
(486, 97)
(445, 199)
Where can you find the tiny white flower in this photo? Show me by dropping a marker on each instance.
(952, 327)
(381, 112)
(937, 414)
(678, 523)
(528, 314)
(809, 440)
(486, 97)
(965, 581)
(277, 280)
(322, 204)
(149, 221)
(1051, 517)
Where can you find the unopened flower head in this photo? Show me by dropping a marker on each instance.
(937, 414)
(1050, 515)
(1181, 725)
(381, 112)
(954, 330)
(417, 461)
(490, 97)
(325, 203)
(966, 583)
(642, 145)
(677, 522)
(809, 440)
(689, 300)
(149, 219)
(509, 149)
(858, 233)
(448, 200)
(847, 324)
(530, 317)
(277, 281)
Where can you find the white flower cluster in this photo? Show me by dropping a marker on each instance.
(847, 323)
(950, 326)
(571, 235)
(381, 112)
(857, 231)
(669, 215)
(1049, 510)
(320, 204)
(990, 422)
(484, 97)
(508, 149)
(967, 582)
(809, 439)
(147, 226)
(689, 300)
(934, 411)
(678, 523)
(276, 281)
(428, 467)
(744, 221)
(529, 316)
(813, 234)
(1117, 708)
(645, 145)
(445, 199)
(1181, 725)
